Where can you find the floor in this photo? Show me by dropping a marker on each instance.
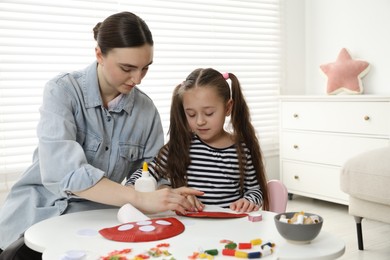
(376, 235)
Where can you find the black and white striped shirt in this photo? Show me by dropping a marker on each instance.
(216, 173)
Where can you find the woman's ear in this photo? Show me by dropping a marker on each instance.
(229, 107)
(99, 55)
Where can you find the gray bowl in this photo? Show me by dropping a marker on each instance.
(298, 233)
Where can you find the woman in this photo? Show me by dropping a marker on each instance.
(96, 127)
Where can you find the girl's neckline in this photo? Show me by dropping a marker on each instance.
(213, 147)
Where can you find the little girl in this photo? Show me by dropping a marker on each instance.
(226, 166)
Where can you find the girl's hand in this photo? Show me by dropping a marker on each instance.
(167, 199)
(244, 205)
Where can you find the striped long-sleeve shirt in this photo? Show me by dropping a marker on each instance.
(216, 173)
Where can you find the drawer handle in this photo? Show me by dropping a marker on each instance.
(295, 146)
(366, 118)
(296, 177)
(295, 116)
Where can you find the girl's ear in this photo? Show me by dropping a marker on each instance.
(229, 107)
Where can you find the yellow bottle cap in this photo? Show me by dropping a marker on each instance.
(145, 167)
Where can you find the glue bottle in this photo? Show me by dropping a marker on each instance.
(146, 183)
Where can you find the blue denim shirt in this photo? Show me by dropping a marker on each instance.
(80, 141)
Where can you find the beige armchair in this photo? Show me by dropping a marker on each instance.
(366, 178)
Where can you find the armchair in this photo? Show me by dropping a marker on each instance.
(366, 178)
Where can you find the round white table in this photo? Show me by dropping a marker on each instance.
(56, 236)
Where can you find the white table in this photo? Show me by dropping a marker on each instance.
(56, 236)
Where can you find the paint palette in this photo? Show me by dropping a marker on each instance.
(144, 231)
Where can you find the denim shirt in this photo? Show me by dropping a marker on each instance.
(80, 141)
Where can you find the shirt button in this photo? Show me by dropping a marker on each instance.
(108, 119)
(106, 148)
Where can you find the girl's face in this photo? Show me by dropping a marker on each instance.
(206, 112)
(123, 68)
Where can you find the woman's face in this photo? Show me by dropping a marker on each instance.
(123, 68)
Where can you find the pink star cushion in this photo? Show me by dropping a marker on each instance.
(345, 74)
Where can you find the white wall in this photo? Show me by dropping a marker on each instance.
(294, 34)
(316, 30)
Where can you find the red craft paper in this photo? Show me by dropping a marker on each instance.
(136, 235)
(212, 214)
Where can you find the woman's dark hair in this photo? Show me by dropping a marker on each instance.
(122, 30)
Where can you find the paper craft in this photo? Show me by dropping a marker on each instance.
(87, 232)
(211, 211)
(128, 213)
(210, 214)
(143, 231)
(74, 255)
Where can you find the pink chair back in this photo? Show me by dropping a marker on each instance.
(278, 196)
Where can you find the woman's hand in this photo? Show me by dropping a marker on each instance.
(112, 193)
(167, 199)
(196, 203)
(244, 205)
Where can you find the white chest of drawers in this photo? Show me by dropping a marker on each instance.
(319, 133)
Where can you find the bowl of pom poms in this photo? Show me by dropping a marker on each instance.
(298, 227)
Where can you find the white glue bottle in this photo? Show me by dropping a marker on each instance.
(146, 183)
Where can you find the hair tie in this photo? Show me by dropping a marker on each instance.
(225, 75)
